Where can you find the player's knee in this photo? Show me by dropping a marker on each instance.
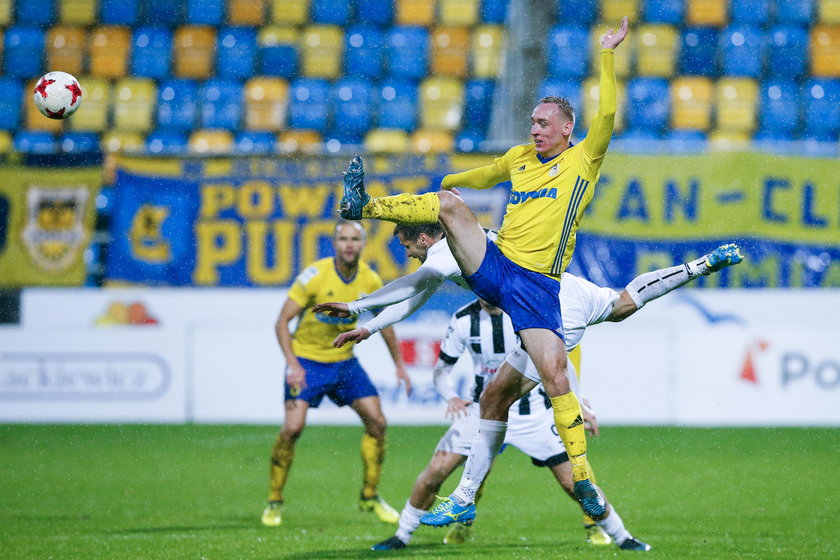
(494, 402)
(450, 204)
(376, 426)
(292, 431)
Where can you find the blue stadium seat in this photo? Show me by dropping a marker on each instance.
(309, 106)
(344, 138)
(164, 141)
(568, 51)
(119, 12)
(352, 101)
(335, 12)
(205, 12)
(779, 107)
(577, 11)
(363, 51)
(685, 141)
(755, 12)
(177, 105)
(469, 140)
(648, 104)
(34, 142)
(407, 52)
(23, 52)
(375, 12)
(742, 50)
(570, 89)
(255, 141)
(697, 51)
(397, 101)
(787, 51)
(164, 12)
(279, 60)
(795, 11)
(236, 52)
(40, 13)
(821, 98)
(79, 142)
(11, 96)
(478, 104)
(664, 11)
(220, 104)
(151, 52)
(494, 11)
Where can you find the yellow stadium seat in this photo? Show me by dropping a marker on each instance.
(432, 141)
(415, 12)
(134, 102)
(66, 49)
(195, 51)
(450, 50)
(297, 141)
(246, 12)
(93, 112)
(109, 51)
(487, 46)
(458, 12)
(623, 55)
(290, 12)
(591, 96)
(272, 35)
(78, 12)
(613, 10)
(441, 103)
(707, 12)
(729, 141)
(34, 119)
(829, 11)
(825, 51)
(321, 49)
(736, 102)
(691, 103)
(5, 12)
(5, 142)
(266, 103)
(122, 141)
(656, 50)
(211, 141)
(387, 140)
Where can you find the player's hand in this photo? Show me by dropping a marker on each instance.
(402, 378)
(457, 407)
(295, 377)
(590, 421)
(356, 335)
(614, 38)
(333, 309)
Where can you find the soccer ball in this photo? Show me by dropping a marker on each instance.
(57, 95)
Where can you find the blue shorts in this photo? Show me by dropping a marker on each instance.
(343, 382)
(531, 299)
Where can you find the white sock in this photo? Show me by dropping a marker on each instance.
(409, 521)
(491, 435)
(651, 285)
(614, 527)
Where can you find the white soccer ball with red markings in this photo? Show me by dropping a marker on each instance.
(57, 95)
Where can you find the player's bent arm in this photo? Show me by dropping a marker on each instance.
(424, 279)
(397, 312)
(289, 311)
(393, 344)
(478, 178)
(442, 378)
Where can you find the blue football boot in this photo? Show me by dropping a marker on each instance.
(394, 543)
(634, 544)
(590, 499)
(355, 197)
(447, 512)
(723, 256)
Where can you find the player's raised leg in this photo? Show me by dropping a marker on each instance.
(369, 410)
(282, 455)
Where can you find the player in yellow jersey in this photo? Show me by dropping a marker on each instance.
(314, 368)
(552, 181)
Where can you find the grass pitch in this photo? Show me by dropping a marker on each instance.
(196, 492)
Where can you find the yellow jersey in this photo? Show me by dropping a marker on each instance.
(315, 332)
(548, 197)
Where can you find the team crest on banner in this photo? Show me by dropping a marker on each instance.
(147, 240)
(54, 234)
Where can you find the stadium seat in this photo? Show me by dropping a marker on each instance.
(321, 51)
(664, 11)
(115, 141)
(166, 142)
(494, 11)
(6, 13)
(78, 142)
(332, 12)
(177, 106)
(432, 141)
(375, 12)
(591, 96)
(167, 13)
(134, 103)
(736, 104)
(35, 142)
(35, 120)
(66, 49)
(648, 104)
(119, 12)
(76, 12)
(220, 104)
(742, 51)
(37, 13)
(236, 53)
(397, 101)
(151, 52)
(266, 103)
(11, 97)
(5, 142)
(195, 48)
(656, 50)
(246, 12)
(93, 112)
(613, 10)
(290, 12)
(728, 140)
(450, 50)
(697, 52)
(691, 103)
(486, 49)
(779, 107)
(211, 141)
(205, 12)
(795, 11)
(685, 141)
(387, 140)
(255, 142)
(278, 51)
(825, 51)
(455, 13)
(407, 54)
(352, 101)
(110, 47)
(623, 56)
(707, 12)
(306, 141)
(478, 104)
(363, 51)
(821, 104)
(570, 89)
(750, 12)
(577, 12)
(309, 106)
(469, 141)
(787, 51)
(23, 52)
(567, 51)
(414, 12)
(441, 103)
(829, 11)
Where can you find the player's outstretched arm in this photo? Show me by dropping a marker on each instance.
(478, 178)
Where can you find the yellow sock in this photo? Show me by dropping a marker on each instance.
(373, 455)
(407, 209)
(569, 421)
(588, 521)
(281, 459)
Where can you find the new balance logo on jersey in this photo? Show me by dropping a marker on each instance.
(517, 197)
(578, 421)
